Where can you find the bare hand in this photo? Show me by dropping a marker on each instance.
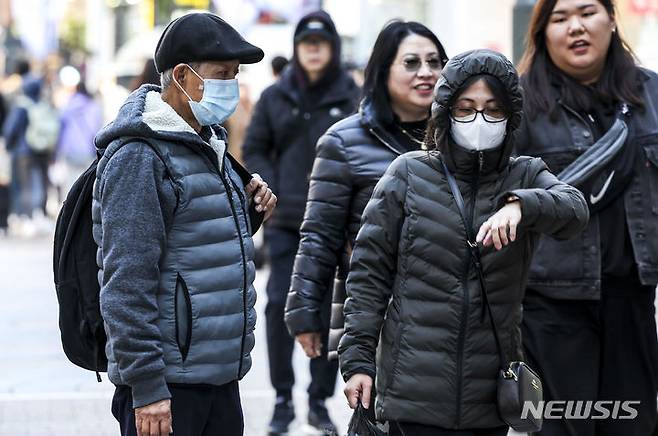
(154, 419)
(263, 196)
(358, 386)
(311, 343)
(495, 229)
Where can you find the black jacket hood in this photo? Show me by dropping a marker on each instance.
(453, 76)
(334, 66)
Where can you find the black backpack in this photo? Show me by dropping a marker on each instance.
(76, 272)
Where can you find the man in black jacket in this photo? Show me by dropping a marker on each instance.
(312, 94)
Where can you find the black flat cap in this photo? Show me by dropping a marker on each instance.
(199, 37)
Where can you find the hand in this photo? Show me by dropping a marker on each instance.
(154, 419)
(358, 386)
(495, 229)
(263, 196)
(311, 343)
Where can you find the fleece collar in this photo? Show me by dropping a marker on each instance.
(159, 116)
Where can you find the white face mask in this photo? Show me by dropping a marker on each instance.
(478, 134)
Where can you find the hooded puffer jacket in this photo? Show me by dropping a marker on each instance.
(413, 316)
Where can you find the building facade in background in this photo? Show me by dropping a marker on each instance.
(113, 38)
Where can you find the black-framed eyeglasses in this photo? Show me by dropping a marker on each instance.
(413, 64)
(468, 115)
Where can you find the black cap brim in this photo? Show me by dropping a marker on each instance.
(306, 33)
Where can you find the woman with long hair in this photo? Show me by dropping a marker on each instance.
(351, 157)
(437, 274)
(592, 115)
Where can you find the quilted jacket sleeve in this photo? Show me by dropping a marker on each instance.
(550, 206)
(372, 271)
(323, 235)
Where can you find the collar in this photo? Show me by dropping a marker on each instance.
(160, 116)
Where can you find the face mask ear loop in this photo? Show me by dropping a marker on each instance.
(196, 74)
(181, 88)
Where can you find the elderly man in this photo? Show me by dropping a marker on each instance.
(173, 217)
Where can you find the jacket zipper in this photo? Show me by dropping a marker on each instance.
(580, 118)
(229, 191)
(244, 270)
(244, 276)
(376, 135)
(184, 350)
(466, 298)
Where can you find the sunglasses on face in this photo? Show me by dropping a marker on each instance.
(413, 64)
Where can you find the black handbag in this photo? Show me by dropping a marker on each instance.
(518, 384)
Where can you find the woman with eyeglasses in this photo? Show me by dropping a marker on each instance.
(589, 320)
(351, 157)
(433, 326)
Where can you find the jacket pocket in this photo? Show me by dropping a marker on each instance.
(651, 164)
(183, 308)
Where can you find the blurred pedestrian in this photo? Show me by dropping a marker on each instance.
(5, 174)
(589, 324)
(31, 131)
(278, 64)
(420, 264)
(351, 158)
(81, 118)
(173, 217)
(149, 75)
(290, 116)
(236, 125)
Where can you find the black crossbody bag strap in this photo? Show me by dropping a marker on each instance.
(475, 254)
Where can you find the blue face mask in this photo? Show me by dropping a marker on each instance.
(220, 98)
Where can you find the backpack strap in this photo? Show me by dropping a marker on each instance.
(244, 174)
(255, 218)
(114, 147)
(474, 252)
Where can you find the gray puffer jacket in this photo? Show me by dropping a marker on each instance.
(170, 217)
(413, 313)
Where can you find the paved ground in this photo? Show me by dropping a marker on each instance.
(42, 394)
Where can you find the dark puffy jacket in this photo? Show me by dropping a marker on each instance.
(15, 125)
(285, 127)
(413, 313)
(572, 269)
(351, 158)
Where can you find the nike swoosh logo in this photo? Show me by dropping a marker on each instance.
(596, 198)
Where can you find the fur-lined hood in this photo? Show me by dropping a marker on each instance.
(146, 115)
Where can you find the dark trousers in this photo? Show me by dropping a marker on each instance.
(197, 410)
(40, 164)
(21, 185)
(412, 429)
(30, 182)
(4, 206)
(282, 246)
(596, 350)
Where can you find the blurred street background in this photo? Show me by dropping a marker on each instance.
(91, 54)
(43, 394)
